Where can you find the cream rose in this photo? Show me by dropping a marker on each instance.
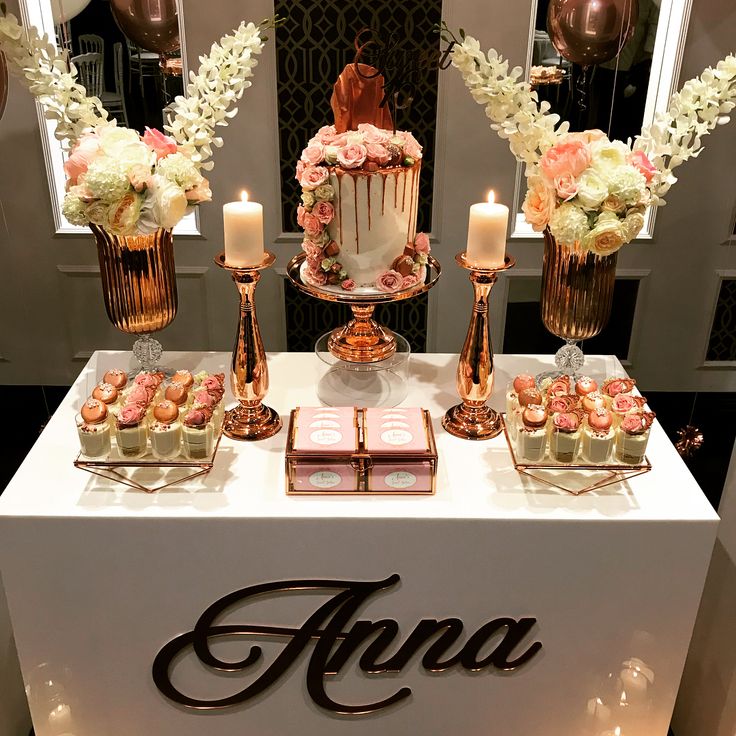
(607, 236)
(609, 153)
(592, 189)
(632, 224)
(169, 201)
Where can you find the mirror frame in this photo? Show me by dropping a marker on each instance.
(38, 13)
(669, 47)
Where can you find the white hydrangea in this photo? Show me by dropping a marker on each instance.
(625, 183)
(569, 224)
(180, 169)
(222, 78)
(107, 179)
(74, 210)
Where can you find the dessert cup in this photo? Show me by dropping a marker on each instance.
(198, 442)
(94, 438)
(598, 444)
(132, 439)
(532, 443)
(563, 445)
(165, 440)
(630, 448)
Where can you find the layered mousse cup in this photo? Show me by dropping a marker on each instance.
(93, 429)
(632, 437)
(532, 435)
(165, 430)
(131, 431)
(598, 436)
(198, 434)
(564, 438)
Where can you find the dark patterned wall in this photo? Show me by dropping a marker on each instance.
(722, 342)
(313, 47)
(308, 318)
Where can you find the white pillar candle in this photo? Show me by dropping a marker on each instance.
(487, 234)
(243, 224)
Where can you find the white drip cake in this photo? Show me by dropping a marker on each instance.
(360, 192)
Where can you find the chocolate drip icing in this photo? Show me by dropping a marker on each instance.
(383, 193)
(403, 195)
(368, 184)
(357, 232)
(339, 175)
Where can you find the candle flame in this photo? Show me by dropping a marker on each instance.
(491, 196)
(243, 196)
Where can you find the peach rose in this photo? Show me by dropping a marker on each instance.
(138, 176)
(326, 134)
(640, 161)
(162, 145)
(130, 415)
(313, 176)
(81, 157)
(313, 154)
(372, 134)
(411, 147)
(567, 157)
(421, 243)
(352, 156)
(312, 249)
(539, 203)
(586, 136)
(324, 212)
(312, 224)
(300, 166)
(566, 421)
(315, 276)
(411, 280)
(199, 193)
(566, 186)
(348, 284)
(389, 281)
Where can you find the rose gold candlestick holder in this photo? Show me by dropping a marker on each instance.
(252, 420)
(473, 419)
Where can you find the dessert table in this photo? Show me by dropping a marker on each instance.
(102, 580)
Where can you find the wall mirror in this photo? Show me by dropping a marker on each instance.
(135, 83)
(618, 96)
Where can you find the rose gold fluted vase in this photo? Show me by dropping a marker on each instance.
(577, 295)
(139, 286)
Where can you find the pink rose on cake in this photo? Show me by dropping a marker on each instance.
(389, 281)
(162, 145)
(421, 243)
(311, 224)
(567, 157)
(325, 134)
(372, 134)
(315, 276)
(312, 249)
(348, 284)
(313, 176)
(411, 147)
(324, 212)
(300, 166)
(378, 153)
(351, 156)
(411, 280)
(539, 203)
(130, 415)
(313, 154)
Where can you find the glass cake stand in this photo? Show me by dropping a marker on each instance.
(368, 363)
(381, 383)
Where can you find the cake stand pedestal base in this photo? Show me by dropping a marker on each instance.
(362, 339)
(251, 422)
(380, 383)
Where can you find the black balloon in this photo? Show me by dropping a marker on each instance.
(151, 24)
(591, 31)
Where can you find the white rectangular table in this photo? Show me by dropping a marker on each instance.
(100, 577)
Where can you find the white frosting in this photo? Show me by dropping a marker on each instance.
(375, 217)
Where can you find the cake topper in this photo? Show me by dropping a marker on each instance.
(396, 68)
(358, 97)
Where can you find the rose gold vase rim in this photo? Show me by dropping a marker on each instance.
(461, 260)
(268, 260)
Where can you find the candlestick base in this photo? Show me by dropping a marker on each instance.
(472, 422)
(257, 422)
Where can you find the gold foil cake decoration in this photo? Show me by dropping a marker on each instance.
(356, 98)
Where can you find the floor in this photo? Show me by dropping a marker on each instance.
(712, 413)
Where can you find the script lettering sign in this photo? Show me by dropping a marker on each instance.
(335, 641)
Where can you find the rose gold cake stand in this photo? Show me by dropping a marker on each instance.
(362, 339)
(473, 419)
(252, 420)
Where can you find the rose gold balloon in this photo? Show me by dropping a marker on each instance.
(591, 31)
(151, 24)
(3, 84)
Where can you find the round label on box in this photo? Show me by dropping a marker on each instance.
(325, 437)
(396, 437)
(400, 479)
(403, 425)
(325, 423)
(324, 479)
